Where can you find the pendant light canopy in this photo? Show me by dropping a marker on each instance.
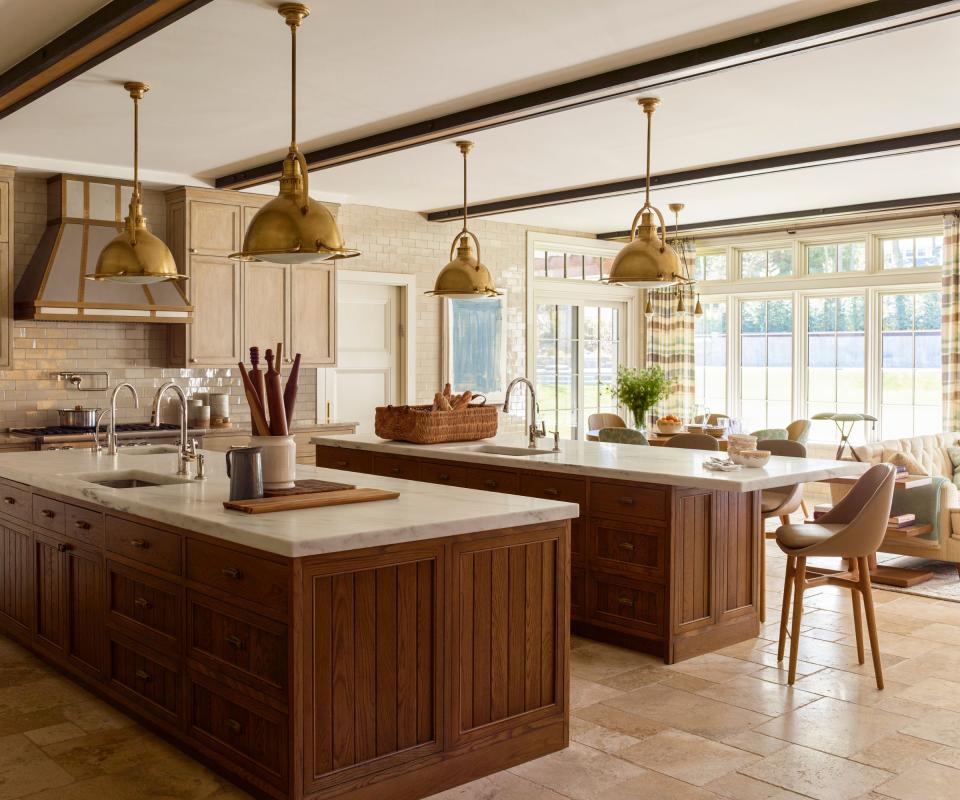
(135, 255)
(293, 228)
(465, 277)
(647, 262)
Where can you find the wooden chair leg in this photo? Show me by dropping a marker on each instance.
(867, 591)
(798, 586)
(805, 508)
(784, 519)
(785, 608)
(857, 623)
(762, 569)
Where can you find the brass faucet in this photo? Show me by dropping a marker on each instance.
(188, 450)
(112, 430)
(533, 410)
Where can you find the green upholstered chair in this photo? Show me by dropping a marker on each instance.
(771, 433)
(622, 436)
(596, 422)
(799, 430)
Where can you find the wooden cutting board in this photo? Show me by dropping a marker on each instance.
(308, 486)
(267, 505)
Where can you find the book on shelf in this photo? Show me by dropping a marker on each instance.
(820, 509)
(901, 520)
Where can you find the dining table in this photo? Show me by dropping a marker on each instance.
(659, 439)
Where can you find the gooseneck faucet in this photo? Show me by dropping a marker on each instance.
(533, 409)
(187, 450)
(112, 430)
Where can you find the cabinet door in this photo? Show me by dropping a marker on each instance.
(215, 292)
(313, 318)
(84, 595)
(214, 228)
(49, 596)
(266, 308)
(16, 579)
(4, 211)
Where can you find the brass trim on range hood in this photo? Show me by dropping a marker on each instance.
(83, 216)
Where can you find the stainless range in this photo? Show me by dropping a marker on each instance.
(130, 434)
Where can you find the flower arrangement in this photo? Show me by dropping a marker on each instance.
(641, 389)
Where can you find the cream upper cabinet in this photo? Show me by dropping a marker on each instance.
(214, 338)
(5, 205)
(313, 318)
(266, 306)
(6, 266)
(214, 228)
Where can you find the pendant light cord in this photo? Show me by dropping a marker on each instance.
(293, 86)
(649, 113)
(464, 190)
(135, 199)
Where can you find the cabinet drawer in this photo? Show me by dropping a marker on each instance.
(493, 480)
(232, 724)
(344, 458)
(446, 474)
(136, 601)
(251, 648)
(616, 544)
(396, 467)
(149, 678)
(48, 513)
(152, 546)
(239, 574)
(614, 601)
(84, 525)
(570, 490)
(15, 502)
(578, 593)
(635, 501)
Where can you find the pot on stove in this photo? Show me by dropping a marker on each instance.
(78, 417)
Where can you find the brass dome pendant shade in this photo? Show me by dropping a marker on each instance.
(647, 262)
(293, 228)
(135, 255)
(465, 277)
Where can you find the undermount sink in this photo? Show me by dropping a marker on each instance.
(148, 450)
(130, 479)
(500, 450)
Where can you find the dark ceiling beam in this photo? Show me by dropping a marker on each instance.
(867, 19)
(836, 154)
(103, 34)
(907, 203)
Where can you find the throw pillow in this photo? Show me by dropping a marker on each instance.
(901, 459)
(954, 453)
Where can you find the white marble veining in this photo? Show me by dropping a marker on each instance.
(660, 465)
(423, 510)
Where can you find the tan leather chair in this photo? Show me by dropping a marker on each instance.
(853, 530)
(597, 422)
(692, 441)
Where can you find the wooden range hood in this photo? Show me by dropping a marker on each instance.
(83, 216)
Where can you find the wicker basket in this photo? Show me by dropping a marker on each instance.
(423, 425)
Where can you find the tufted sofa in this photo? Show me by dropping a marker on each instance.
(930, 451)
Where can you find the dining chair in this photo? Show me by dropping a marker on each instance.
(692, 441)
(711, 419)
(799, 430)
(779, 502)
(852, 530)
(771, 433)
(601, 421)
(622, 436)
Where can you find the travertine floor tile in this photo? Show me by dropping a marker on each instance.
(586, 693)
(896, 752)
(739, 787)
(940, 632)
(622, 721)
(599, 737)
(24, 769)
(597, 661)
(754, 742)
(635, 678)
(848, 686)
(819, 775)
(687, 757)
(925, 781)
(781, 672)
(834, 726)
(578, 772)
(940, 726)
(689, 683)
(500, 786)
(759, 695)
(655, 786)
(54, 733)
(714, 667)
(949, 756)
(934, 692)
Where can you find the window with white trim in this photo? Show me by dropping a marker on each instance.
(910, 252)
(774, 263)
(710, 266)
(823, 259)
(766, 359)
(710, 357)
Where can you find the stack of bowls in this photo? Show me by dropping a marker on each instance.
(736, 443)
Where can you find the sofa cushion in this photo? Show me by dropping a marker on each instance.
(954, 452)
(907, 461)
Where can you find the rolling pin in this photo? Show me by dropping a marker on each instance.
(257, 418)
(256, 376)
(290, 390)
(278, 418)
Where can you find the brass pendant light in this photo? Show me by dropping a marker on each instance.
(293, 228)
(465, 276)
(647, 262)
(135, 255)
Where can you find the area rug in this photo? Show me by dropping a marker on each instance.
(945, 584)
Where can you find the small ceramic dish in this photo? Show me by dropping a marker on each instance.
(669, 428)
(754, 458)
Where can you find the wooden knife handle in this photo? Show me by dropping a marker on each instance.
(290, 390)
(257, 418)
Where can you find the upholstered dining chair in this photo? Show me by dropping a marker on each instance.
(771, 433)
(601, 421)
(799, 430)
(692, 441)
(622, 436)
(853, 530)
(780, 502)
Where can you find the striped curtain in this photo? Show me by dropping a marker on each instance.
(670, 344)
(950, 323)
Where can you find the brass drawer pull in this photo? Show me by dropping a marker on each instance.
(625, 501)
(82, 525)
(340, 463)
(491, 483)
(142, 602)
(62, 547)
(235, 726)
(142, 675)
(235, 642)
(551, 491)
(443, 476)
(395, 470)
(10, 501)
(48, 513)
(232, 572)
(625, 601)
(626, 546)
(141, 544)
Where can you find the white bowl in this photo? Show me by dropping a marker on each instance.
(753, 458)
(669, 427)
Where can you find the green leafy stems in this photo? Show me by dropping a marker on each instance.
(641, 389)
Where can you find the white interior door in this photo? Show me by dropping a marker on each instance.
(368, 353)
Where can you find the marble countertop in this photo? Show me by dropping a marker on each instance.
(658, 465)
(423, 511)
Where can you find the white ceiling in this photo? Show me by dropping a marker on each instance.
(33, 23)
(219, 102)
